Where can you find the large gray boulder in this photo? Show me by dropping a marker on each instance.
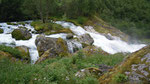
(86, 39)
(50, 47)
(21, 34)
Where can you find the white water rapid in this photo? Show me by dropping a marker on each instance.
(110, 46)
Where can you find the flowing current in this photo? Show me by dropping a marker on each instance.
(111, 46)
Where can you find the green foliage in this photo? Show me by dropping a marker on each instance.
(120, 78)
(11, 50)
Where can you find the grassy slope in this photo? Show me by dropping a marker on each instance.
(55, 70)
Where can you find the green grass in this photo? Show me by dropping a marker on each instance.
(56, 70)
(14, 52)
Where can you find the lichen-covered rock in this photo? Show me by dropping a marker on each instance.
(21, 34)
(86, 39)
(1, 31)
(50, 47)
(24, 51)
(134, 70)
(89, 71)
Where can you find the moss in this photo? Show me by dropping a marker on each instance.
(11, 23)
(18, 35)
(126, 65)
(61, 43)
(1, 31)
(24, 53)
(102, 27)
(21, 23)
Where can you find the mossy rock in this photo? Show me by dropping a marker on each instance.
(50, 47)
(4, 55)
(133, 70)
(89, 72)
(21, 34)
(1, 31)
(24, 52)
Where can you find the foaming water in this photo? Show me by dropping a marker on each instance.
(6, 38)
(110, 46)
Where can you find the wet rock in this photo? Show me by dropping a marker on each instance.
(74, 45)
(21, 34)
(1, 31)
(50, 47)
(136, 67)
(86, 39)
(24, 51)
(104, 68)
(69, 36)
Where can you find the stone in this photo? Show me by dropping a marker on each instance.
(50, 47)
(24, 51)
(86, 39)
(21, 34)
(69, 36)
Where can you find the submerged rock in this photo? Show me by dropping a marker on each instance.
(134, 70)
(21, 34)
(1, 31)
(50, 47)
(86, 39)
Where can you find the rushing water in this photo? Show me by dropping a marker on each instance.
(110, 46)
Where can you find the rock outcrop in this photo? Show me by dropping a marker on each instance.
(50, 47)
(135, 69)
(21, 34)
(86, 39)
(25, 52)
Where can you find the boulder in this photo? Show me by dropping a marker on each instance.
(86, 39)
(69, 36)
(1, 31)
(135, 69)
(21, 34)
(24, 51)
(89, 71)
(50, 47)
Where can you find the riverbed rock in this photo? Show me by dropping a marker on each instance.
(69, 36)
(24, 51)
(21, 34)
(86, 39)
(50, 47)
(135, 69)
(1, 31)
